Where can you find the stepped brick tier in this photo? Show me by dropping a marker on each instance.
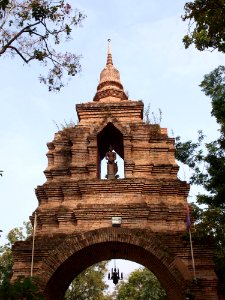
(76, 207)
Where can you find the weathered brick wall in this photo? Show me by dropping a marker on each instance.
(166, 254)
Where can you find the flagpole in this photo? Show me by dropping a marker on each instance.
(32, 255)
(192, 255)
(188, 224)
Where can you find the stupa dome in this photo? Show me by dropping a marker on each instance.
(110, 87)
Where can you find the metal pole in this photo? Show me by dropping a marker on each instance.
(192, 255)
(32, 256)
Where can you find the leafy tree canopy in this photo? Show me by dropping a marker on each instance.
(206, 31)
(89, 284)
(6, 260)
(141, 285)
(22, 288)
(32, 30)
(207, 161)
(206, 28)
(213, 86)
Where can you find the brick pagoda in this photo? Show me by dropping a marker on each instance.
(76, 208)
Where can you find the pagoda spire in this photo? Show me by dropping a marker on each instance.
(110, 87)
(109, 56)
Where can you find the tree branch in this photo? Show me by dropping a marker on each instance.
(25, 29)
(20, 54)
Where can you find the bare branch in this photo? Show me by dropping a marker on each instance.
(20, 54)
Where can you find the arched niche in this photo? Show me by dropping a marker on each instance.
(78, 252)
(109, 135)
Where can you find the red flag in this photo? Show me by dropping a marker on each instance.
(188, 220)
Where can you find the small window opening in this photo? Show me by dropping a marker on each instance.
(110, 153)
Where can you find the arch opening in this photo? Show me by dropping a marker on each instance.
(108, 137)
(97, 281)
(80, 260)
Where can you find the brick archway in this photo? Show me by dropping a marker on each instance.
(77, 252)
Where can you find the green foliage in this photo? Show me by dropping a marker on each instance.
(209, 168)
(6, 261)
(89, 284)
(206, 28)
(213, 86)
(210, 227)
(141, 285)
(207, 162)
(3, 5)
(32, 30)
(23, 288)
(191, 154)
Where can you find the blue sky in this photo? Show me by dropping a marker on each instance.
(154, 67)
